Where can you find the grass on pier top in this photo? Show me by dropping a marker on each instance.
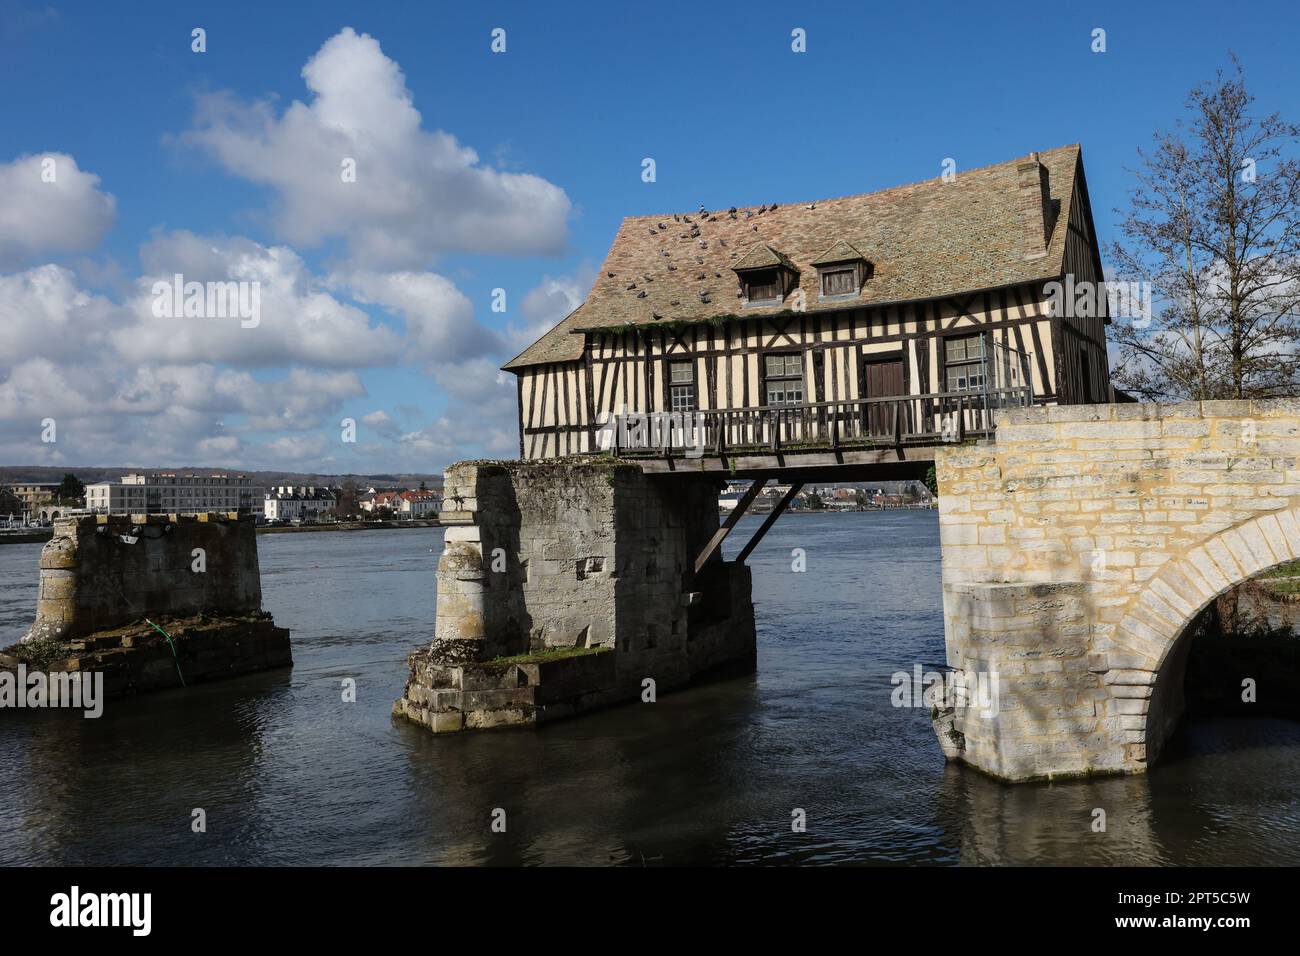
(550, 654)
(1283, 579)
(1289, 570)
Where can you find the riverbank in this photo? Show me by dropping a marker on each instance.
(27, 537)
(350, 526)
(41, 535)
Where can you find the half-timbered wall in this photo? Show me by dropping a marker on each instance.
(626, 370)
(1084, 370)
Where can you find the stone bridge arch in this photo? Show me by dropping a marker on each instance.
(1076, 549)
(1151, 633)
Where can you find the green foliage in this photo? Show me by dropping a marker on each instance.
(71, 490)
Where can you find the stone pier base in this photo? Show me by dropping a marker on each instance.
(136, 658)
(568, 586)
(1061, 711)
(104, 578)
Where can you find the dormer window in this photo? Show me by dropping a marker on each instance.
(765, 276)
(762, 285)
(841, 269)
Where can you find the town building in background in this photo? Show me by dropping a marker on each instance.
(851, 496)
(402, 503)
(300, 503)
(170, 493)
(33, 494)
(419, 503)
(375, 501)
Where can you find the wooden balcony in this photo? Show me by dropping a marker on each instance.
(901, 428)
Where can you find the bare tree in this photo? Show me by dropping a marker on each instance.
(1214, 226)
(347, 504)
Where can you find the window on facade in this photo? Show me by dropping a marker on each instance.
(840, 281)
(964, 363)
(762, 285)
(681, 379)
(784, 378)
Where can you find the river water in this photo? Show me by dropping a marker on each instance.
(288, 773)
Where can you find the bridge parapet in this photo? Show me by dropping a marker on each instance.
(1077, 548)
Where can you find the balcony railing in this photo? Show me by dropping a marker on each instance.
(868, 422)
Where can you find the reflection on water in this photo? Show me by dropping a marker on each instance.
(288, 773)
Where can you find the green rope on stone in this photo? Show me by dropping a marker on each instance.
(172, 646)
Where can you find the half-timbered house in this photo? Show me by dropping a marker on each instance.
(894, 318)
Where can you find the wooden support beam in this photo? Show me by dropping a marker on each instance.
(737, 513)
(769, 521)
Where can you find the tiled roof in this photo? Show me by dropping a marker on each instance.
(420, 495)
(925, 240)
(840, 251)
(763, 256)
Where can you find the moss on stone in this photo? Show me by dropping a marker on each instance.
(38, 654)
(549, 654)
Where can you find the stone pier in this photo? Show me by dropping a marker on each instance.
(151, 601)
(566, 586)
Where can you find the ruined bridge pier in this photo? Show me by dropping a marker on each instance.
(1077, 548)
(569, 585)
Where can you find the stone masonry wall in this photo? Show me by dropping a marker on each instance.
(1076, 549)
(93, 580)
(576, 555)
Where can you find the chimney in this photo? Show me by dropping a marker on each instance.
(1035, 206)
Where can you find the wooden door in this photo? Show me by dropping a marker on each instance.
(883, 378)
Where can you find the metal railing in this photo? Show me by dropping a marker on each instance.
(890, 420)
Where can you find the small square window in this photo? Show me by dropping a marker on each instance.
(784, 364)
(681, 391)
(841, 281)
(762, 285)
(682, 398)
(784, 375)
(965, 349)
(964, 361)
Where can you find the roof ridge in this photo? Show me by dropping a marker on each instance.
(875, 192)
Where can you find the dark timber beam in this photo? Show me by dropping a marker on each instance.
(769, 521)
(737, 513)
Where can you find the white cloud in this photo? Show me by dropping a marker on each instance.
(39, 216)
(44, 312)
(218, 448)
(440, 322)
(416, 193)
(548, 302)
(381, 423)
(299, 322)
(295, 448)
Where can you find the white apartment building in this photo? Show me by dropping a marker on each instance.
(170, 493)
(419, 503)
(287, 503)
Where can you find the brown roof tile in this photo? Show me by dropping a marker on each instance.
(925, 240)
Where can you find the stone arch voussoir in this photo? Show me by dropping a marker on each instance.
(1171, 600)
(1183, 588)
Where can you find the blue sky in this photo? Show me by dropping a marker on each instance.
(210, 164)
